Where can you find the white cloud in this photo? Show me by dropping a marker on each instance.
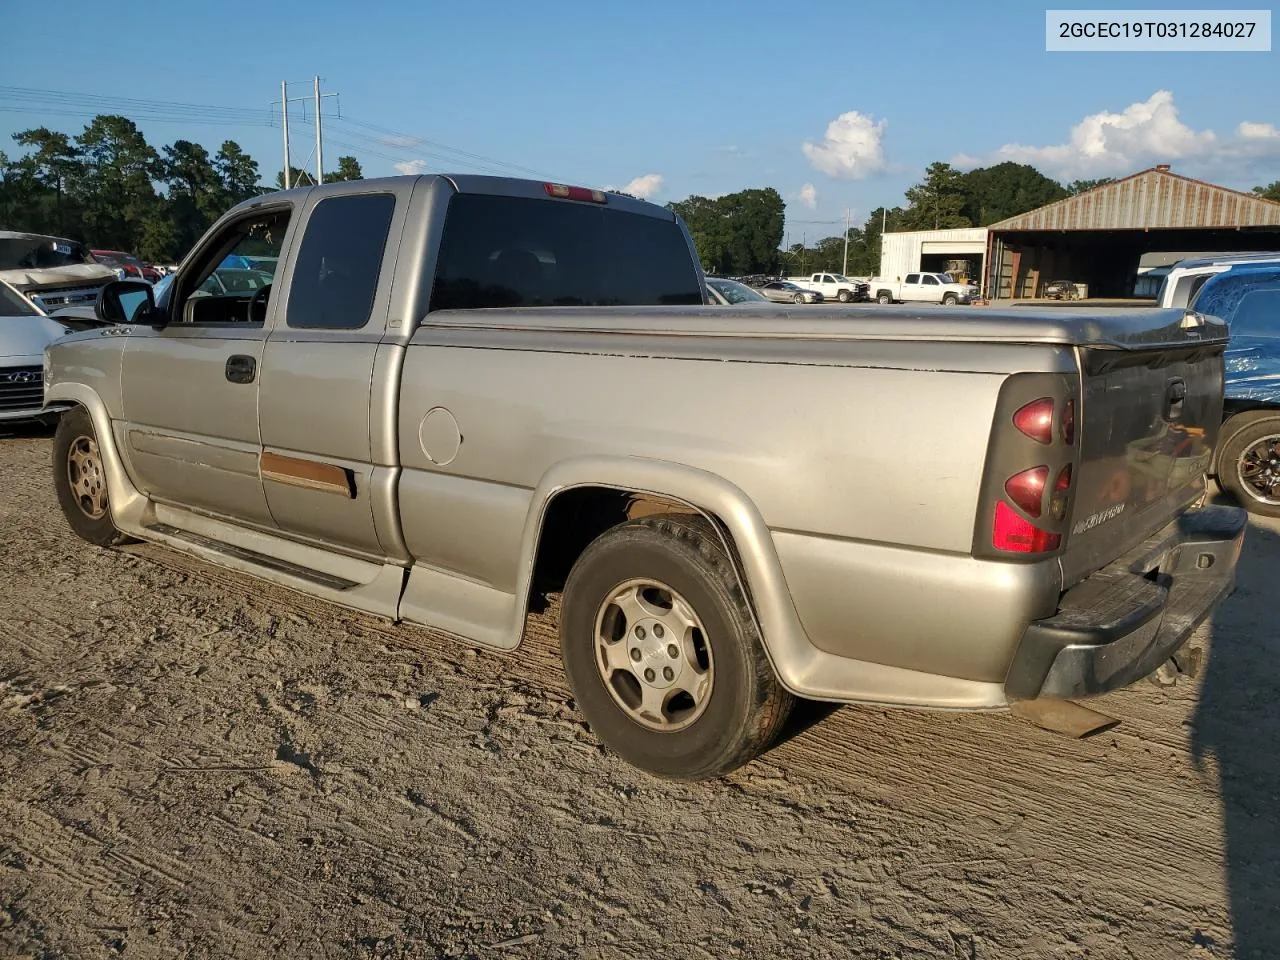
(396, 140)
(851, 149)
(1143, 134)
(1258, 131)
(412, 166)
(809, 196)
(644, 186)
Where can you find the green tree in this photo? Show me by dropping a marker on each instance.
(937, 202)
(196, 196)
(1006, 190)
(348, 169)
(238, 172)
(117, 194)
(738, 233)
(55, 164)
(1269, 192)
(1077, 187)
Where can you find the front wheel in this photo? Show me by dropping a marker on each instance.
(1249, 466)
(798, 298)
(662, 653)
(844, 296)
(950, 300)
(80, 479)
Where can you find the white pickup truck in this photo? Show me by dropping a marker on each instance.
(922, 288)
(834, 286)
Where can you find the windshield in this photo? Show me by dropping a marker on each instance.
(40, 253)
(14, 304)
(735, 292)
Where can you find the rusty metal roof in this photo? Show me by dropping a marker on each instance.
(1151, 199)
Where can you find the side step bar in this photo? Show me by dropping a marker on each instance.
(317, 577)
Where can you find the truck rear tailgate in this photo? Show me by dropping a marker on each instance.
(1149, 419)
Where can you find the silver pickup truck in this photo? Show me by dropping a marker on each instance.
(467, 393)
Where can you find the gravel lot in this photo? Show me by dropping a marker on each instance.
(198, 765)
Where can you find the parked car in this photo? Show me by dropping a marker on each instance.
(130, 265)
(1184, 280)
(834, 286)
(784, 291)
(726, 292)
(25, 330)
(923, 288)
(51, 272)
(471, 393)
(1247, 460)
(1061, 290)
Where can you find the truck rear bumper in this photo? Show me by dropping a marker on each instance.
(1121, 623)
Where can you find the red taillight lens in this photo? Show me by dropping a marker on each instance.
(1026, 489)
(1036, 420)
(1063, 483)
(1058, 502)
(1011, 533)
(1069, 423)
(575, 193)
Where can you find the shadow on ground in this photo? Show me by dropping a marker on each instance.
(1237, 725)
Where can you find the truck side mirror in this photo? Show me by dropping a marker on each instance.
(126, 302)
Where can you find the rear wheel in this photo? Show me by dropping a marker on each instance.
(662, 653)
(884, 298)
(80, 479)
(1249, 466)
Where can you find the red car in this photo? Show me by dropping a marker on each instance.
(131, 265)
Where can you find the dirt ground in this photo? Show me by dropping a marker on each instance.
(196, 765)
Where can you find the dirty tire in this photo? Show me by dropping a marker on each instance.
(75, 427)
(884, 298)
(746, 706)
(1235, 447)
(844, 296)
(950, 300)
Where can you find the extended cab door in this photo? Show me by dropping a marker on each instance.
(319, 390)
(912, 289)
(190, 388)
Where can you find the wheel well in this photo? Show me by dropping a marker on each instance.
(576, 517)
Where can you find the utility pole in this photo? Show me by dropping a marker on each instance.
(319, 137)
(804, 249)
(284, 110)
(845, 271)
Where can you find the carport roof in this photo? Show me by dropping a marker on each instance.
(1154, 199)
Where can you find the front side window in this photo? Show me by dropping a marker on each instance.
(930, 280)
(522, 252)
(214, 294)
(339, 262)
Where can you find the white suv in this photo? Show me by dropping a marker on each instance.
(1184, 281)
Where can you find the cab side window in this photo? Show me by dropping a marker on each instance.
(340, 261)
(1257, 315)
(929, 280)
(218, 291)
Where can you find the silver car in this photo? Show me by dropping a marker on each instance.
(25, 330)
(784, 291)
(724, 293)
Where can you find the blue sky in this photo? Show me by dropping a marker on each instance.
(674, 98)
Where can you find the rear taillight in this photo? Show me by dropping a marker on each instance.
(1013, 534)
(584, 194)
(1030, 506)
(1035, 419)
(1026, 489)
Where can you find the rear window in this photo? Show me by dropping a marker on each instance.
(522, 252)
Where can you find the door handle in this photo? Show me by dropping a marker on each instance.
(241, 368)
(1174, 394)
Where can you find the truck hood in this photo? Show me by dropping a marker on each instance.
(27, 337)
(1117, 327)
(57, 276)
